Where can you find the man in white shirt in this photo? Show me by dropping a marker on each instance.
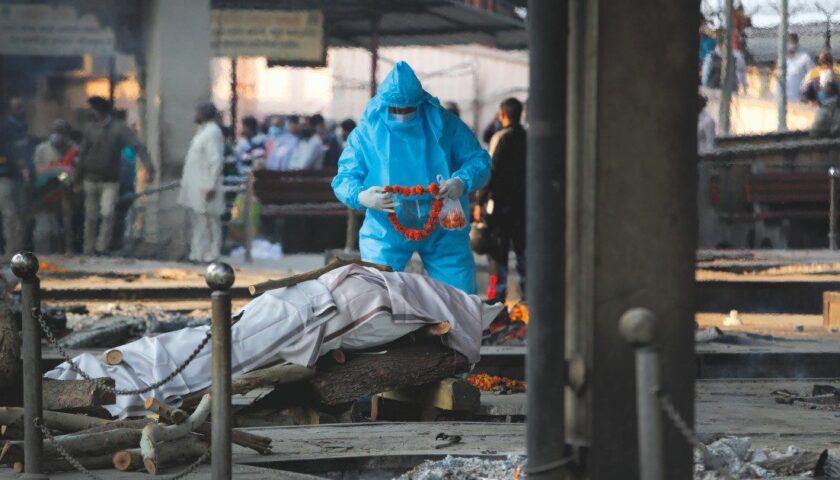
(798, 65)
(201, 186)
(705, 128)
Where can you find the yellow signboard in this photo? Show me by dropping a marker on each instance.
(44, 30)
(289, 37)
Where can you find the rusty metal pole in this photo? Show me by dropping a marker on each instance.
(220, 278)
(25, 267)
(638, 326)
(833, 175)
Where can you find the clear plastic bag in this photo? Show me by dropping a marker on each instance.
(452, 216)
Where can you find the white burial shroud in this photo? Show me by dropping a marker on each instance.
(351, 308)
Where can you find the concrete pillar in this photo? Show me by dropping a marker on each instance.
(631, 232)
(177, 78)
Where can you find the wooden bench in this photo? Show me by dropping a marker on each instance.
(775, 195)
(788, 194)
(304, 192)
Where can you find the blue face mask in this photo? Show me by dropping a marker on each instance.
(822, 96)
(402, 117)
(274, 131)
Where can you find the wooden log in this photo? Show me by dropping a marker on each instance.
(312, 275)
(78, 445)
(64, 394)
(107, 333)
(186, 449)
(452, 394)
(155, 434)
(112, 357)
(168, 413)
(795, 464)
(63, 422)
(10, 359)
(265, 377)
(438, 329)
(62, 465)
(128, 460)
(258, 443)
(398, 368)
(338, 356)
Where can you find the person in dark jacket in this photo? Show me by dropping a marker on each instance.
(14, 170)
(100, 159)
(502, 201)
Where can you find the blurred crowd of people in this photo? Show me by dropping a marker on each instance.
(74, 176)
(291, 142)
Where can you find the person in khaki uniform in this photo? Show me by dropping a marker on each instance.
(99, 170)
(201, 186)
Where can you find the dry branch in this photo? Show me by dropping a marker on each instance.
(312, 275)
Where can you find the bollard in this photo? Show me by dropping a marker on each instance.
(25, 267)
(638, 328)
(220, 278)
(833, 175)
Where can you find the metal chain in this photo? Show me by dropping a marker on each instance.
(82, 469)
(685, 430)
(99, 383)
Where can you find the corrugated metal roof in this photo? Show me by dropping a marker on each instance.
(349, 23)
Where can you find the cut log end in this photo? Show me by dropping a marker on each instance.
(439, 329)
(339, 357)
(128, 460)
(148, 403)
(113, 357)
(18, 467)
(151, 466)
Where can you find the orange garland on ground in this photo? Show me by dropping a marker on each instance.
(414, 233)
(487, 383)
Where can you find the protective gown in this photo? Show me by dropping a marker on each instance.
(382, 151)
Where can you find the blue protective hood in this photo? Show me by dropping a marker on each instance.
(402, 88)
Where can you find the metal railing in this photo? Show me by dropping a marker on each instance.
(219, 277)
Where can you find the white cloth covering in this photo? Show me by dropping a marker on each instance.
(351, 308)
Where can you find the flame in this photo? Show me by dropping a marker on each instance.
(516, 473)
(47, 267)
(518, 312)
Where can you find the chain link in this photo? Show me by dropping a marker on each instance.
(100, 383)
(82, 469)
(685, 430)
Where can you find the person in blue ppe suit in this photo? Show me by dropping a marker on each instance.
(406, 138)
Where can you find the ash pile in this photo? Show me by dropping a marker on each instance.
(735, 458)
(468, 468)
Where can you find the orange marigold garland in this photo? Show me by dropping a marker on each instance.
(415, 233)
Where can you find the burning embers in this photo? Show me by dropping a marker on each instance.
(510, 327)
(496, 384)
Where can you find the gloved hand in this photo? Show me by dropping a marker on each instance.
(452, 188)
(375, 198)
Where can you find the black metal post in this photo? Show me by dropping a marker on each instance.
(833, 176)
(25, 267)
(545, 237)
(638, 327)
(220, 277)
